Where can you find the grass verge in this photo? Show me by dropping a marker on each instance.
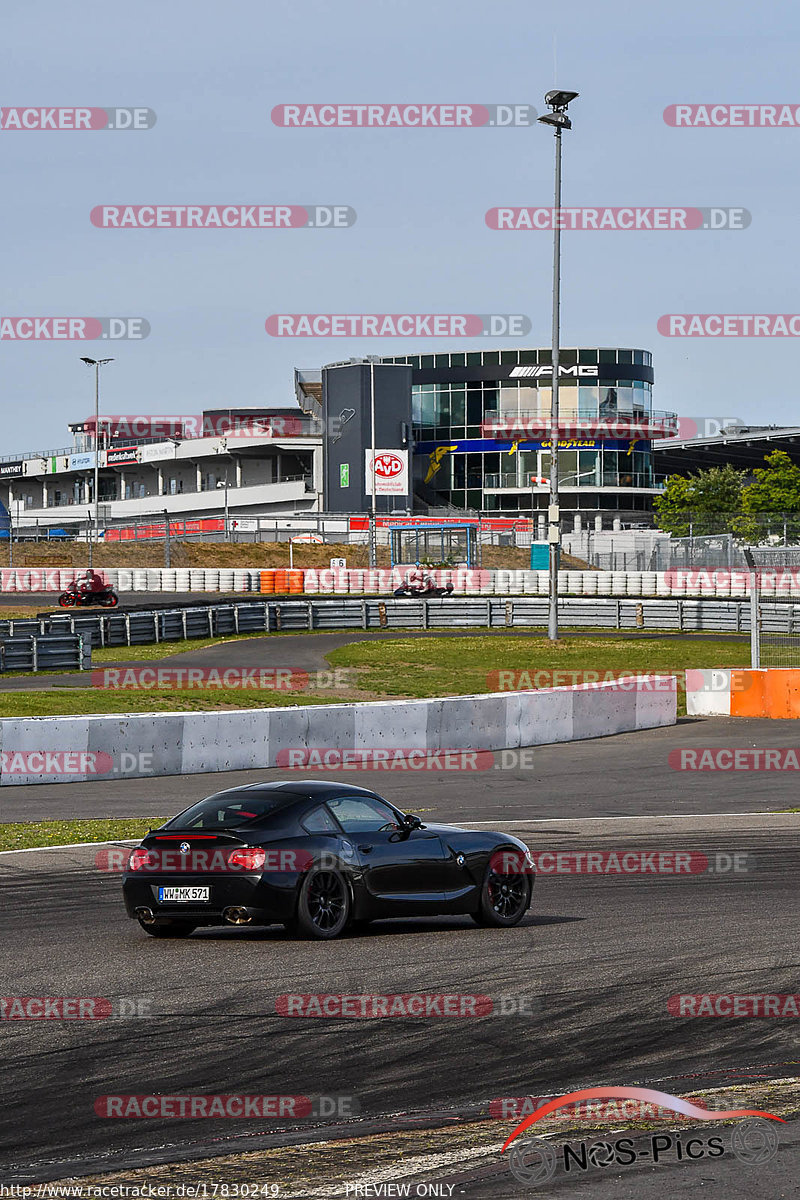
(460, 666)
(29, 834)
(414, 668)
(76, 702)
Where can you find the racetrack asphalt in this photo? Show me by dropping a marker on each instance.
(597, 958)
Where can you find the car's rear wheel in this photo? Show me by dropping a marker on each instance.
(323, 906)
(178, 929)
(504, 899)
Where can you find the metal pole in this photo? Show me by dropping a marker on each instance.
(373, 549)
(166, 539)
(755, 611)
(553, 516)
(755, 623)
(96, 529)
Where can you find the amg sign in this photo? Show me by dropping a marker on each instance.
(534, 372)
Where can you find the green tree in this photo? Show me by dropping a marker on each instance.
(706, 501)
(772, 498)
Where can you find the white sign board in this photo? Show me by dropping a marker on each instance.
(79, 462)
(338, 563)
(245, 524)
(157, 452)
(391, 472)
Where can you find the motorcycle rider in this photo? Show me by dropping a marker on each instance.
(419, 581)
(415, 578)
(90, 583)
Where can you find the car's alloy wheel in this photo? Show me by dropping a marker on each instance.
(323, 907)
(504, 899)
(177, 930)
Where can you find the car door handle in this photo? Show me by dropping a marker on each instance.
(366, 849)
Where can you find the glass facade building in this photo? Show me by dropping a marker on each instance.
(464, 402)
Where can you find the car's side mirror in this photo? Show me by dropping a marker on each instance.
(410, 821)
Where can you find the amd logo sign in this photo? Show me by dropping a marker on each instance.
(535, 372)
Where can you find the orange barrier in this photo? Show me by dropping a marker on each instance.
(268, 581)
(296, 583)
(770, 692)
(281, 580)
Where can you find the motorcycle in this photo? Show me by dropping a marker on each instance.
(73, 597)
(420, 591)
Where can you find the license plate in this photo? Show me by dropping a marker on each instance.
(181, 895)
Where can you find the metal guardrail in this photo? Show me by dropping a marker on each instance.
(39, 651)
(490, 612)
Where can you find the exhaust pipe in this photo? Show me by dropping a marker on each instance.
(145, 915)
(236, 916)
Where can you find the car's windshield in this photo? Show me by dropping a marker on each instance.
(231, 812)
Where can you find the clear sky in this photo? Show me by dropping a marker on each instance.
(213, 72)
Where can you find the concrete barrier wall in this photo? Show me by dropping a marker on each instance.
(769, 692)
(144, 745)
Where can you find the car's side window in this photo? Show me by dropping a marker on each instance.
(319, 820)
(362, 814)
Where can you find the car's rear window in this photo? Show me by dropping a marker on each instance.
(232, 812)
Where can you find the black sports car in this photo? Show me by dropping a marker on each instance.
(318, 857)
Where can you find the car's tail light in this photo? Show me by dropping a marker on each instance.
(250, 859)
(141, 858)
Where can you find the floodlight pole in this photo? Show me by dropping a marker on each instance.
(553, 516)
(558, 102)
(373, 532)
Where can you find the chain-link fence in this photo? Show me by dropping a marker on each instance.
(778, 565)
(771, 528)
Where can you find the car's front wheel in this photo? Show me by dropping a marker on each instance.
(323, 906)
(504, 898)
(177, 930)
